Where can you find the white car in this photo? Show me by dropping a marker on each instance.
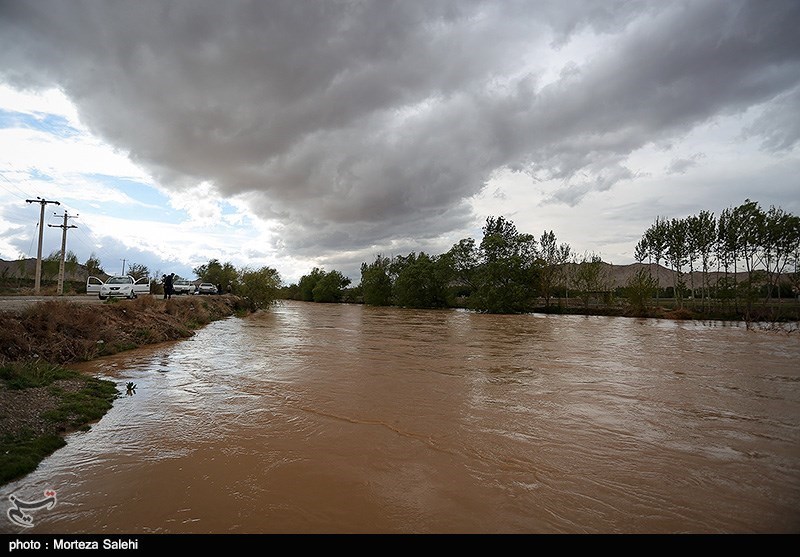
(206, 288)
(182, 287)
(124, 287)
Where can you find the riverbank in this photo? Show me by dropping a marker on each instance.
(783, 314)
(41, 401)
(779, 316)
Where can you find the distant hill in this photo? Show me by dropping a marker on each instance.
(619, 274)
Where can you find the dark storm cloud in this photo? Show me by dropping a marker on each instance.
(779, 125)
(357, 122)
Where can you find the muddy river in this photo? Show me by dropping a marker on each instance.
(342, 418)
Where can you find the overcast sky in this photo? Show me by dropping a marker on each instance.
(298, 134)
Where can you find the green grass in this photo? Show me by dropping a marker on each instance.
(33, 374)
(22, 453)
(86, 405)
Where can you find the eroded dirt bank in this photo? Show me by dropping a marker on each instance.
(62, 332)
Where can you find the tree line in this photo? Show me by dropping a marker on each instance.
(260, 286)
(506, 272)
(509, 271)
(745, 254)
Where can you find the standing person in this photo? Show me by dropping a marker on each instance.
(164, 284)
(168, 286)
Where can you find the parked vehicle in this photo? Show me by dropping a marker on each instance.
(206, 288)
(183, 287)
(93, 285)
(118, 286)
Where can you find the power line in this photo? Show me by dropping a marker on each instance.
(24, 180)
(92, 240)
(24, 195)
(30, 248)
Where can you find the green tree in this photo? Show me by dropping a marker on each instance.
(422, 281)
(703, 237)
(22, 269)
(640, 289)
(218, 274)
(50, 265)
(727, 255)
(749, 223)
(137, 271)
(642, 250)
(507, 273)
(781, 240)
(591, 278)
(552, 259)
(376, 284)
(70, 264)
(655, 239)
(794, 277)
(93, 266)
(463, 261)
(308, 283)
(291, 292)
(329, 288)
(260, 286)
(678, 254)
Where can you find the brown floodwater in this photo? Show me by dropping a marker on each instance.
(344, 418)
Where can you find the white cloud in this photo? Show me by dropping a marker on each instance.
(39, 103)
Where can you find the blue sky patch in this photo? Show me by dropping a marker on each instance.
(48, 123)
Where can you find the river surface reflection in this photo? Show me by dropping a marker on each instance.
(343, 418)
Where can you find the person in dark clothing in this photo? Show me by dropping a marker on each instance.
(168, 286)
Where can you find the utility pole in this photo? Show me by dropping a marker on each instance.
(123, 267)
(63, 248)
(42, 202)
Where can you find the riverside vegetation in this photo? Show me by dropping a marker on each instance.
(741, 266)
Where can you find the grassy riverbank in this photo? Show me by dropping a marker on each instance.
(40, 400)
